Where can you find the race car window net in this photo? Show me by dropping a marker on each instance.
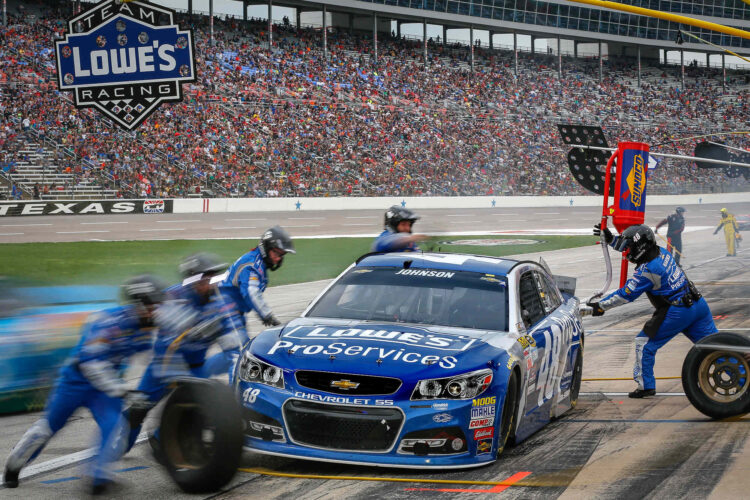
(427, 296)
(531, 303)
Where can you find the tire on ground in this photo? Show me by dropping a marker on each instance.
(717, 381)
(201, 435)
(508, 416)
(575, 384)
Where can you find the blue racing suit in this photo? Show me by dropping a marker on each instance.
(391, 241)
(244, 285)
(679, 308)
(188, 326)
(91, 378)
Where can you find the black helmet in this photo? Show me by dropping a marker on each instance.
(202, 263)
(639, 241)
(396, 214)
(680, 210)
(144, 289)
(275, 237)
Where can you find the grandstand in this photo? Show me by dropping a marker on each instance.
(312, 119)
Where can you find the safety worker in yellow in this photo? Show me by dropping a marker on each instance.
(729, 223)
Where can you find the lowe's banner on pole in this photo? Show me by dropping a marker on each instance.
(125, 58)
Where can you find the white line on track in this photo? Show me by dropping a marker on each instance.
(307, 225)
(24, 225)
(305, 218)
(364, 217)
(502, 213)
(219, 228)
(547, 213)
(240, 220)
(164, 229)
(625, 393)
(356, 224)
(100, 223)
(10, 234)
(463, 221)
(81, 232)
(176, 221)
(461, 215)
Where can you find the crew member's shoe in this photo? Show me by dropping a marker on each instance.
(642, 393)
(10, 479)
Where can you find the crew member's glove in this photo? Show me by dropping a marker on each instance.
(271, 320)
(596, 309)
(137, 400)
(608, 237)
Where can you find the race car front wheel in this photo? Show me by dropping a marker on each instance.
(716, 378)
(201, 435)
(510, 406)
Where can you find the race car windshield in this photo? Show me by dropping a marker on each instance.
(425, 296)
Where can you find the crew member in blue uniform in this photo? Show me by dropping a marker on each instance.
(679, 306)
(247, 278)
(194, 319)
(91, 378)
(675, 226)
(397, 236)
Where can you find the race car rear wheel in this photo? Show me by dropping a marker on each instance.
(201, 435)
(507, 420)
(717, 381)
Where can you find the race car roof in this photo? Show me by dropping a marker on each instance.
(452, 261)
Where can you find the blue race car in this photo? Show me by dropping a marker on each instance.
(415, 360)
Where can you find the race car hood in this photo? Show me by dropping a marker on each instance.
(373, 348)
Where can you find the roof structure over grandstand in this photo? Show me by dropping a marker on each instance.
(555, 18)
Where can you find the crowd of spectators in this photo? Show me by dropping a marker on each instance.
(291, 122)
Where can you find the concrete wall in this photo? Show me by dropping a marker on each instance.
(378, 203)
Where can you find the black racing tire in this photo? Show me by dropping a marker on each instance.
(575, 383)
(717, 381)
(201, 435)
(507, 422)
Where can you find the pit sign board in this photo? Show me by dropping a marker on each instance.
(125, 59)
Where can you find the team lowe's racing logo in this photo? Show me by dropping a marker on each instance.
(125, 58)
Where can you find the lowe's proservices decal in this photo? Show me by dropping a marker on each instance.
(125, 59)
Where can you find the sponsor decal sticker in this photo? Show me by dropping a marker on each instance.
(490, 242)
(80, 207)
(344, 349)
(153, 207)
(511, 361)
(526, 341)
(408, 338)
(439, 406)
(250, 395)
(125, 59)
(483, 412)
(428, 273)
(489, 400)
(484, 446)
(344, 400)
(481, 422)
(442, 418)
(484, 433)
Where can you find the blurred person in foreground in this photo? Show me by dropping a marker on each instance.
(91, 378)
(731, 231)
(195, 318)
(679, 305)
(675, 226)
(397, 236)
(247, 278)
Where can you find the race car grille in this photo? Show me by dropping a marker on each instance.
(346, 383)
(342, 427)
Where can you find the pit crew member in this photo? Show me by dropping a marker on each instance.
(91, 378)
(679, 305)
(397, 236)
(729, 223)
(675, 226)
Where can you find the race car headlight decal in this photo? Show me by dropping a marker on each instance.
(254, 370)
(466, 386)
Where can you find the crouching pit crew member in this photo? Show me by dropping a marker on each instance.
(91, 378)
(679, 306)
(195, 318)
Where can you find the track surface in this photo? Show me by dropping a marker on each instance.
(608, 447)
